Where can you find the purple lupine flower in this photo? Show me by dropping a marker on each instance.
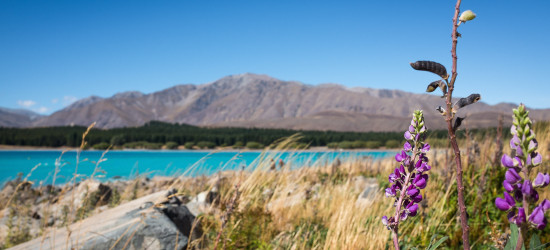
(545, 204)
(393, 177)
(407, 146)
(425, 148)
(533, 145)
(508, 161)
(408, 136)
(529, 192)
(536, 160)
(537, 218)
(412, 208)
(519, 151)
(412, 191)
(410, 177)
(390, 192)
(507, 186)
(417, 198)
(425, 167)
(404, 215)
(402, 170)
(517, 218)
(505, 204)
(514, 142)
(512, 176)
(523, 188)
(399, 157)
(542, 180)
(420, 181)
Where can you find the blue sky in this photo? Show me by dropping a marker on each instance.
(55, 52)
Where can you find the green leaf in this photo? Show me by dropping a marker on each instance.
(535, 241)
(536, 244)
(436, 244)
(514, 235)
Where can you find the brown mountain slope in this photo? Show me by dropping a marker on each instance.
(261, 101)
(17, 117)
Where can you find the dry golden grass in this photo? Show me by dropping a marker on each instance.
(316, 207)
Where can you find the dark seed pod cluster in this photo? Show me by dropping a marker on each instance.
(430, 66)
(463, 102)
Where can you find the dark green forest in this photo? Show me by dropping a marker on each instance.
(157, 134)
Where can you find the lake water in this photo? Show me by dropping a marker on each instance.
(128, 164)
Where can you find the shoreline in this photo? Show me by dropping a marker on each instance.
(222, 150)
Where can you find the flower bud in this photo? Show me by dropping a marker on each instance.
(467, 16)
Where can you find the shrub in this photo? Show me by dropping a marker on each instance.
(358, 144)
(171, 145)
(345, 145)
(373, 144)
(101, 146)
(189, 145)
(238, 144)
(205, 144)
(254, 145)
(392, 144)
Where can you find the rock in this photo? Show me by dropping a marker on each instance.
(42, 199)
(133, 225)
(369, 192)
(202, 203)
(183, 219)
(361, 182)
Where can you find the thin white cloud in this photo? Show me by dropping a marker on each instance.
(68, 100)
(26, 103)
(54, 101)
(42, 110)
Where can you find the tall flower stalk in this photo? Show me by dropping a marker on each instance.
(446, 84)
(410, 177)
(518, 185)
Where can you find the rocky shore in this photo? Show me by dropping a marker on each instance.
(144, 213)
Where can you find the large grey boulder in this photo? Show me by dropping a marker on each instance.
(149, 222)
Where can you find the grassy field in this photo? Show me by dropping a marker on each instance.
(314, 207)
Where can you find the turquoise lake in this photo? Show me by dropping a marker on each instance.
(128, 164)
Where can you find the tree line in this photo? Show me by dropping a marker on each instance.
(156, 134)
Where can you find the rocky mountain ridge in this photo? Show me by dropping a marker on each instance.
(250, 100)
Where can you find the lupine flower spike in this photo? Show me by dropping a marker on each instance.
(410, 177)
(521, 189)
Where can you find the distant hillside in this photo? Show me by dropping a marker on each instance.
(250, 100)
(17, 117)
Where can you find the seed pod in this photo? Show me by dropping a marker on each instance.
(463, 102)
(458, 122)
(433, 86)
(441, 110)
(430, 66)
(443, 87)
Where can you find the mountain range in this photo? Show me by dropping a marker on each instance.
(251, 100)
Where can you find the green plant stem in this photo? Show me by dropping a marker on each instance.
(452, 136)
